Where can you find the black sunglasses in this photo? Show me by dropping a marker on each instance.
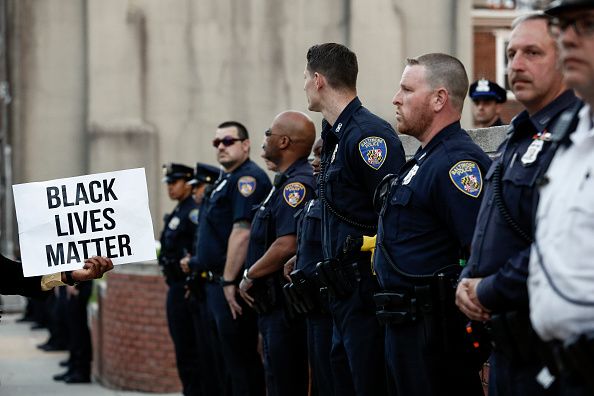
(227, 141)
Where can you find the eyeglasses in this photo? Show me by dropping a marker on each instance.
(227, 141)
(583, 26)
(268, 133)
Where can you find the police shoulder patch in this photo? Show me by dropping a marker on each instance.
(374, 151)
(293, 193)
(246, 185)
(466, 176)
(193, 216)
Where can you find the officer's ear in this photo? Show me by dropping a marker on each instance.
(319, 80)
(440, 98)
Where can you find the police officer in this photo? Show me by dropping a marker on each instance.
(359, 150)
(177, 239)
(223, 235)
(493, 284)
(305, 290)
(287, 144)
(425, 227)
(560, 282)
(487, 98)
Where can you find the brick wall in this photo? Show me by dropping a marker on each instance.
(131, 342)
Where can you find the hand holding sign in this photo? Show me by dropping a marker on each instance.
(65, 222)
(94, 268)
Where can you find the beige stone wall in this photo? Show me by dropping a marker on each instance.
(101, 85)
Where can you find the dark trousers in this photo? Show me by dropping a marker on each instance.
(319, 344)
(81, 351)
(510, 378)
(238, 340)
(59, 318)
(417, 364)
(188, 326)
(285, 353)
(357, 355)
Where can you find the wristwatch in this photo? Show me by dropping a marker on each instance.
(246, 277)
(224, 282)
(69, 280)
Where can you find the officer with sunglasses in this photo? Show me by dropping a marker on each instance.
(223, 234)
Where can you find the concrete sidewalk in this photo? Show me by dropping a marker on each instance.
(27, 371)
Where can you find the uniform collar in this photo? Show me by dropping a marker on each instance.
(295, 166)
(344, 117)
(541, 119)
(243, 165)
(281, 178)
(422, 152)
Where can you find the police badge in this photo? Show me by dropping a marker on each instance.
(374, 151)
(246, 185)
(293, 193)
(466, 176)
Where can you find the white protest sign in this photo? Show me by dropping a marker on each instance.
(64, 221)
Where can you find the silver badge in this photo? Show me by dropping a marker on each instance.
(334, 154)
(410, 175)
(532, 152)
(174, 223)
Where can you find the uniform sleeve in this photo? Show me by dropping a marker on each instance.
(457, 196)
(292, 199)
(507, 286)
(376, 156)
(246, 192)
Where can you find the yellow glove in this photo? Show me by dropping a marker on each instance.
(369, 246)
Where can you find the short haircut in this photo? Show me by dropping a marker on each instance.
(335, 62)
(446, 71)
(533, 16)
(242, 131)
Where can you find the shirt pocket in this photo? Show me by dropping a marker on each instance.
(313, 226)
(332, 187)
(582, 201)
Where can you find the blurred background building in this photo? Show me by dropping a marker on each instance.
(98, 85)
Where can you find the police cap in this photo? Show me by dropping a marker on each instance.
(559, 6)
(204, 173)
(173, 172)
(485, 89)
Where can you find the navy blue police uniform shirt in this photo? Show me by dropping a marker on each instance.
(429, 214)
(309, 238)
(178, 235)
(275, 217)
(231, 199)
(358, 151)
(500, 254)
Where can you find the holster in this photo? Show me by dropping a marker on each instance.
(433, 302)
(301, 293)
(195, 284)
(340, 278)
(402, 307)
(575, 357)
(171, 269)
(264, 292)
(512, 335)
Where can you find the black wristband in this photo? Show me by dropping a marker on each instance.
(224, 282)
(69, 280)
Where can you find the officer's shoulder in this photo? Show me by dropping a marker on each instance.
(369, 123)
(250, 169)
(461, 145)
